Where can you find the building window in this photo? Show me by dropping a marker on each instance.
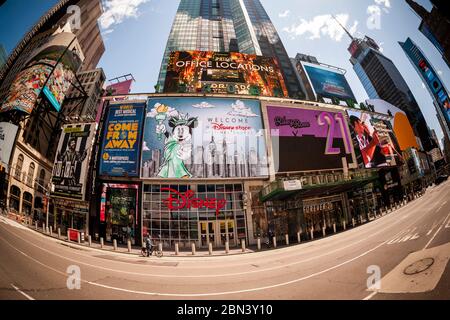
(41, 181)
(30, 175)
(19, 166)
(14, 199)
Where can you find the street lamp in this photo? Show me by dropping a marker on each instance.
(47, 196)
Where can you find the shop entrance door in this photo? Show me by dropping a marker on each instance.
(227, 232)
(207, 233)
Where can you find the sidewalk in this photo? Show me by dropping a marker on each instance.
(187, 251)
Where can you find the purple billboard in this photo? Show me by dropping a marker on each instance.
(308, 140)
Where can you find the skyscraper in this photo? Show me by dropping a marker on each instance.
(228, 26)
(435, 26)
(382, 80)
(88, 35)
(431, 79)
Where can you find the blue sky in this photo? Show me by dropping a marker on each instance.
(136, 31)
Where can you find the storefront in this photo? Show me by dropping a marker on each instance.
(119, 207)
(195, 213)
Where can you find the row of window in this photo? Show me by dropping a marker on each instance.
(29, 177)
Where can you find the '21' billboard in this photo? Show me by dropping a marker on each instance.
(308, 140)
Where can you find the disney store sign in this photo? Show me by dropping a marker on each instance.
(187, 200)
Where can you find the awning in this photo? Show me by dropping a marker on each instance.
(282, 189)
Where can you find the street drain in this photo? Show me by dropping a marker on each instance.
(418, 266)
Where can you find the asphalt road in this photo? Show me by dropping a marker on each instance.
(342, 266)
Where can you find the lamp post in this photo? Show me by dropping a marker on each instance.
(47, 197)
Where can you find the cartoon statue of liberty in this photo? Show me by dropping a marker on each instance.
(178, 146)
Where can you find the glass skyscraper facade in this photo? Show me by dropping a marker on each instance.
(382, 80)
(228, 26)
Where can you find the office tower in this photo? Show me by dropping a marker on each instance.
(88, 35)
(228, 26)
(321, 80)
(85, 102)
(431, 79)
(435, 26)
(382, 80)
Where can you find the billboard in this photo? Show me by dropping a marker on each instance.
(328, 83)
(8, 133)
(122, 140)
(400, 123)
(431, 78)
(232, 73)
(199, 137)
(306, 140)
(49, 71)
(72, 161)
(375, 140)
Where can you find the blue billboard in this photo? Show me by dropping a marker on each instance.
(430, 77)
(328, 83)
(122, 140)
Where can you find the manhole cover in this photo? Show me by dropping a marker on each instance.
(419, 266)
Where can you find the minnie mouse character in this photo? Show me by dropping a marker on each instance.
(178, 146)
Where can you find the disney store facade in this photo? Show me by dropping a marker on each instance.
(210, 169)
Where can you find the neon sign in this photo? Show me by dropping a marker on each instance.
(186, 200)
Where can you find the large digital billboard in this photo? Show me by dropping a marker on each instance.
(309, 140)
(72, 161)
(51, 70)
(122, 140)
(189, 138)
(375, 140)
(224, 73)
(328, 83)
(400, 123)
(432, 80)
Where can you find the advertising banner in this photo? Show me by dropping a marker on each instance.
(35, 77)
(8, 133)
(400, 123)
(72, 161)
(307, 140)
(203, 138)
(375, 140)
(433, 82)
(328, 83)
(122, 140)
(232, 73)
(119, 210)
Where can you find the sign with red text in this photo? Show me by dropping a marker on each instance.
(187, 200)
(203, 138)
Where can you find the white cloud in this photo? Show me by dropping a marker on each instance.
(204, 105)
(241, 110)
(323, 25)
(284, 14)
(386, 3)
(116, 11)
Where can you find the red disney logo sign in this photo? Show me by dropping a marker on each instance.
(177, 200)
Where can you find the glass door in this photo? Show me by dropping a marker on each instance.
(227, 232)
(207, 233)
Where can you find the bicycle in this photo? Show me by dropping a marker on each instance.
(156, 251)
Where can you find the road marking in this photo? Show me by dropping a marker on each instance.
(23, 293)
(204, 294)
(434, 236)
(370, 296)
(204, 275)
